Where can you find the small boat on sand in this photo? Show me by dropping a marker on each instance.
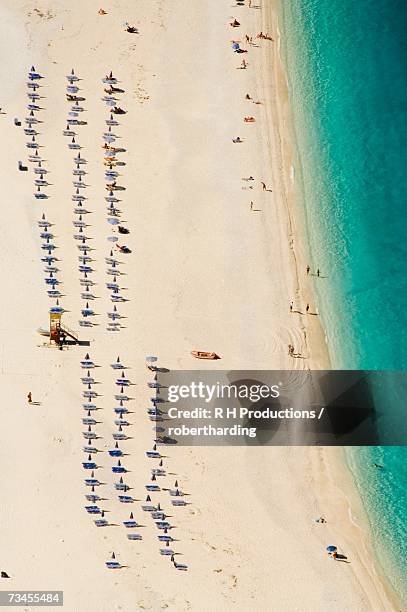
(204, 355)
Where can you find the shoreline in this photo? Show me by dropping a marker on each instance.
(335, 460)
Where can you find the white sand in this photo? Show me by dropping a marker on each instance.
(205, 273)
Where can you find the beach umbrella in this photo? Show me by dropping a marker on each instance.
(331, 548)
(151, 359)
(235, 46)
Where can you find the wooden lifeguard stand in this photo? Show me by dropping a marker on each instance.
(55, 327)
(59, 332)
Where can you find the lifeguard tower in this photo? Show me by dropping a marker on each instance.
(57, 331)
(55, 327)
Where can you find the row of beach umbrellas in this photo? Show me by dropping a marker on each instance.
(41, 183)
(116, 225)
(156, 415)
(75, 119)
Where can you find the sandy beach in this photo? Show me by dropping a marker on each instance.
(205, 271)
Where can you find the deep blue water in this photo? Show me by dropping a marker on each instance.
(347, 69)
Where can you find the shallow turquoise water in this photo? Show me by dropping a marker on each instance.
(347, 67)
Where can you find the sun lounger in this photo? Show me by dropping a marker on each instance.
(175, 492)
(166, 551)
(131, 524)
(87, 312)
(89, 435)
(56, 310)
(89, 421)
(180, 566)
(153, 454)
(119, 436)
(113, 565)
(92, 482)
(101, 523)
(121, 486)
(134, 536)
(93, 498)
(122, 382)
(93, 509)
(153, 488)
(118, 469)
(90, 450)
(116, 453)
(126, 499)
(87, 363)
(122, 423)
(89, 394)
(178, 502)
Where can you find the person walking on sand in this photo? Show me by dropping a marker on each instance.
(263, 186)
(290, 350)
(318, 273)
(251, 205)
(307, 308)
(308, 269)
(248, 97)
(29, 397)
(291, 306)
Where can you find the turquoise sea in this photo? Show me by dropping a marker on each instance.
(347, 68)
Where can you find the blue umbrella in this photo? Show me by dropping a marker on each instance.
(331, 548)
(235, 46)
